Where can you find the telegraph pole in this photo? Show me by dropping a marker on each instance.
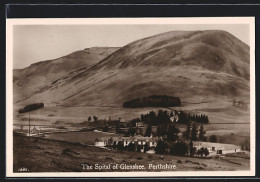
(29, 127)
(28, 109)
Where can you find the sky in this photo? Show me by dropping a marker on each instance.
(34, 43)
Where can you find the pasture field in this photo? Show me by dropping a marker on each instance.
(58, 156)
(225, 120)
(79, 137)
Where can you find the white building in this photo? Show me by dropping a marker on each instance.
(102, 142)
(151, 142)
(217, 148)
(34, 131)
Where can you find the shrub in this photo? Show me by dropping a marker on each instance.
(161, 147)
(179, 148)
(245, 145)
(65, 151)
(179, 161)
(139, 158)
(206, 152)
(213, 138)
(150, 156)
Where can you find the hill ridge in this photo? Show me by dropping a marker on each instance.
(195, 65)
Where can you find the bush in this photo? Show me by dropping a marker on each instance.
(179, 161)
(203, 151)
(206, 152)
(65, 151)
(120, 145)
(161, 147)
(179, 148)
(150, 156)
(131, 147)
(213, 138)
(139, 158)
(245, 145)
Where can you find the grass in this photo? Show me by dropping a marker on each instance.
(57, 156)
(218, 112)
(79, 137)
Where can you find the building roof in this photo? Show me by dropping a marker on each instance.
(102, 139)
(135, 138)
(218, 146)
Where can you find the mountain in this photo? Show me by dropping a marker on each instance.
(38, 76)
(197, 66)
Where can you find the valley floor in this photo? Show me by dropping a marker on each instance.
(46, 155)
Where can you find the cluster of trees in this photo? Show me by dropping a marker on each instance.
(161, 147)
(95, 118)
(213, 138)
(31, 107)
(168, 129)
(163, 117)
(200, 152)
(194, 134)
(203, 151)
(180, 148)
(199, 118)
(153, 101)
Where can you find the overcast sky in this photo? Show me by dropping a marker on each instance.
(34, 43)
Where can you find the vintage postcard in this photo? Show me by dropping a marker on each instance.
(130, 97)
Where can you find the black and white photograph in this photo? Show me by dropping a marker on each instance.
(131, 97)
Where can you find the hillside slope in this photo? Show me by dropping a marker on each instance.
(197, 66)
(38, 76)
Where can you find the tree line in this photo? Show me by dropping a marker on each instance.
(199, 118)
(31, 107)
(153, 101)
(164, 117)
(179, 148)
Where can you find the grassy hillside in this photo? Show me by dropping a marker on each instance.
(205, 69)
(37, 77)
(54, 159)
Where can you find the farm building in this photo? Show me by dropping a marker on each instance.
(139, 124)
(217, 148)
(101, 142)
(34, 131)
(141, 141)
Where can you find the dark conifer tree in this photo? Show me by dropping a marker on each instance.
(194, 132)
